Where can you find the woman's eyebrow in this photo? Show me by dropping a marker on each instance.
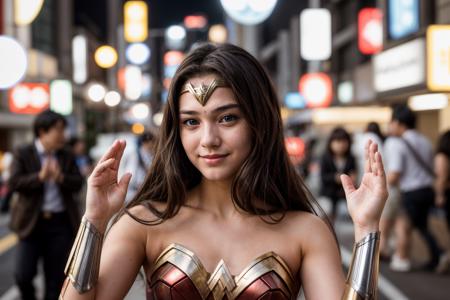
(217, 109)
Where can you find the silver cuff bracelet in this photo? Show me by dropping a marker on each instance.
(84, 259)
(363, 274)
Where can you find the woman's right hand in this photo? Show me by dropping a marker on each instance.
(105, 195)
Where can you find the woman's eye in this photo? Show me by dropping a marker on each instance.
(229, 118)
(190, 122)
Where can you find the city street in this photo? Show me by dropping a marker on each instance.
(205, 111)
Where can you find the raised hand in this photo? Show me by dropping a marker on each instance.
(105, 194)
(366, 203)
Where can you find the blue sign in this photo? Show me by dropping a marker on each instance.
(403, 18)
(164, 95)
(294, 100)
(169, 71)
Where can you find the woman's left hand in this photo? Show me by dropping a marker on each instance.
(366, 203)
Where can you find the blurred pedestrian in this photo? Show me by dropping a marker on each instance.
(84, 163)
(45, 215)
(138, 163)
(442, 187)
(410, 167)
(391, 208)
(336, 160)
(5, 172)
(372, 132)
(83, 160)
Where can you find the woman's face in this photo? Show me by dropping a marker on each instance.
(216, 137)
(339, 146)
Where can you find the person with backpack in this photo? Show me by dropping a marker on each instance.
(410, 167)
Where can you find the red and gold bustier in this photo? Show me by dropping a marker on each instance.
(178, 274)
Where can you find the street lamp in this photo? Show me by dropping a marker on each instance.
(25, 11)
(13, 62)
(217, 34)
(140, 111)
(158, 118)
(112, 98)
(135, 21)
(96, 92)
(80, 59)
(105, 56)
(138, 53)
(175, 37)
(133, 82)
(61, 96)
(249, 12)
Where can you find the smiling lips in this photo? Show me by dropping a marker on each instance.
(214, 159)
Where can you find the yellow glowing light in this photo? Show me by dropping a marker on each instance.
(135, 21)
(218, 34)
(106, 57)
(138, 128)
(25, 11)
(438, 58)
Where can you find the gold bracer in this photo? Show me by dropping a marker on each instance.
(363, 274)
(203, 92)
(84, 259)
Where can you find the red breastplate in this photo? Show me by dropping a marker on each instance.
(178, 274)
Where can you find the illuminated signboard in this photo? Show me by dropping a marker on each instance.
(294, 100)
(135, 21)
(29, 98)
(315, 34)
(370, 30)
(317, 88)
(61, 99)
(249, 12)
(438, 58)
(403, 18)
(400, 67)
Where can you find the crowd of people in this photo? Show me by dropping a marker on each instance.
(42, 187)
(418, 180)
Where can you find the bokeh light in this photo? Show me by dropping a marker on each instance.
(13, 62)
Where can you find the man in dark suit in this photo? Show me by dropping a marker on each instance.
(45, 214)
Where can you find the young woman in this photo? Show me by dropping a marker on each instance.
(336, 160)
(222, 213)
(442, 188)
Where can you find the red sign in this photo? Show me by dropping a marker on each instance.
(172, 58)
(370, 30)
(195, 22)
(295, 148)
(317, 88)
(29, 98)
(121, 82)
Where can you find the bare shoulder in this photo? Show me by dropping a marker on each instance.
(311, 230)
(127, 225)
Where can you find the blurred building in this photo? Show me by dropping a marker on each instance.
(48, 45)
(380, 55)
(46, 41)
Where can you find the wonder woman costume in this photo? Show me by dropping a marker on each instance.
(178, 273)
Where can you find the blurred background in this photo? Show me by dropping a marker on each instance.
(106, 65)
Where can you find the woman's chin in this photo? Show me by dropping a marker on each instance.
(217, 176)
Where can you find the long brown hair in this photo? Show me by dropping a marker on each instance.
(266, 176)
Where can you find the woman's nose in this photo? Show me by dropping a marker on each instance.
(210, 136)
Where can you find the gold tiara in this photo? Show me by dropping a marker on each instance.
(203, 92)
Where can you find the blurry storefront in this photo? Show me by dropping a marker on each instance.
(413, 67)
(42, 40)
